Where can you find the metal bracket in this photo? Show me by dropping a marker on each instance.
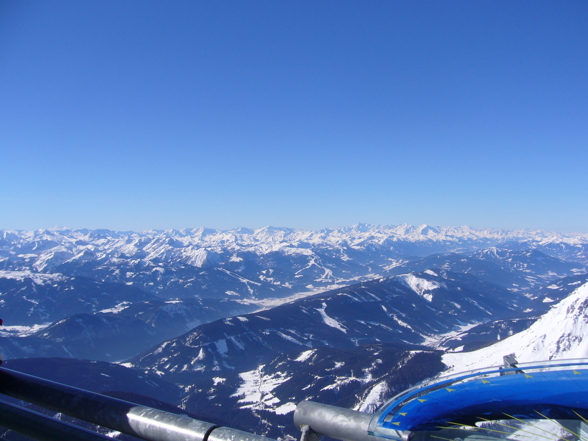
(308, 434)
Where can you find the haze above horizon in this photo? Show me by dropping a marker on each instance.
(309, 114)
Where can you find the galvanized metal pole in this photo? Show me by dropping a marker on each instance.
(41, 427)
(139, 421)
(334, 422)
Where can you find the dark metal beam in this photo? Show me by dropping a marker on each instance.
(41, 427)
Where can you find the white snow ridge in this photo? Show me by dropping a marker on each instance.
(562, 333)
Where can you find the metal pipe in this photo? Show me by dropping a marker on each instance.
(41, 427)
(334, 422)
(228, 434)
(135, 420)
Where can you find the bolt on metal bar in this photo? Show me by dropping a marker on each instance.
(41, 427)
(333, 422)
(123, 416)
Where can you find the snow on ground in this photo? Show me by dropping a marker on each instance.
(436, 340)
(562, 333)
(329, 321)
(367, 378)
(374, 399)
(339, 381)
(395, 317)
(272, 302)
(292, 339)
(285, 408)
(256, 390)
(239, 277)
(38, 278)
(21, 331)
(305, 355)
(118, 308)
(421, 286)
(265, 304)
(221, 347)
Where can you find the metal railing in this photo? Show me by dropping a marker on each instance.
(317, 419)
(313, 419)
(122, 416)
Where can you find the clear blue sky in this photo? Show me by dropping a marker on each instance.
(132, 115)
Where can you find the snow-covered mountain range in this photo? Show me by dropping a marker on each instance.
(255, 264)
(160, 284)
(244, 324)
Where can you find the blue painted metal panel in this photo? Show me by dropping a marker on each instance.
(554, 391)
